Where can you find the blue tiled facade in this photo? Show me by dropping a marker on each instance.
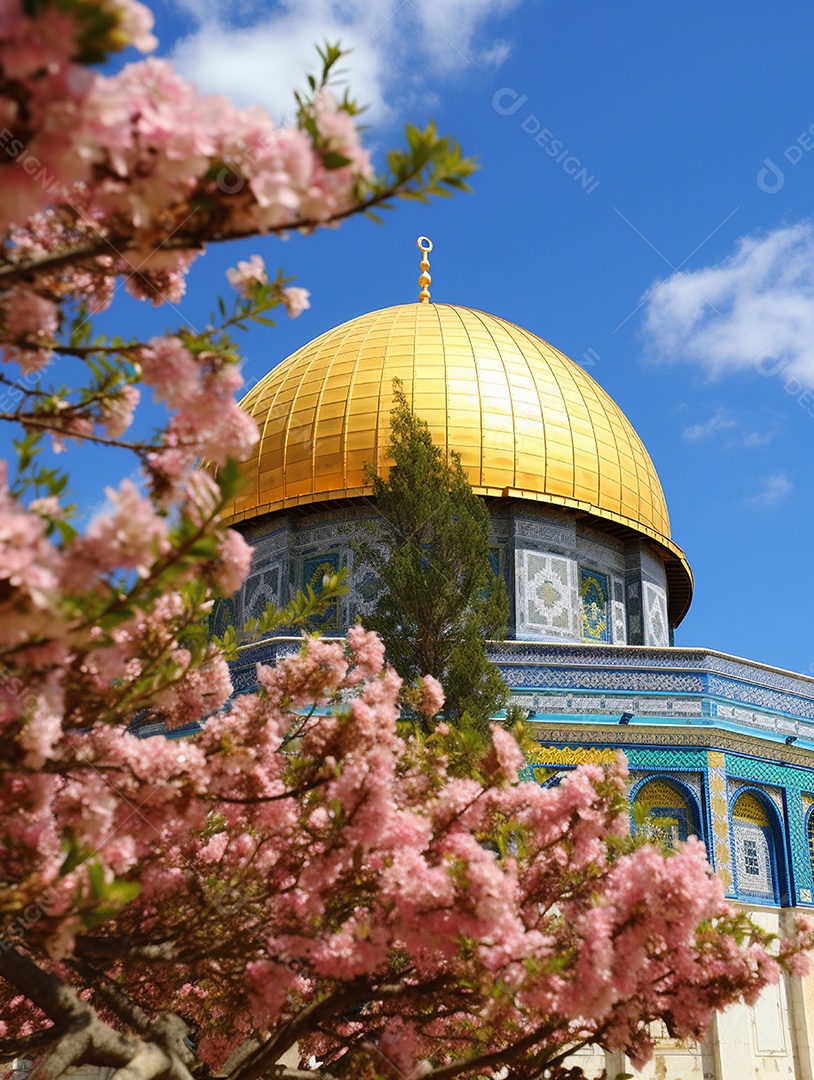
(713, 724)
(589, 641)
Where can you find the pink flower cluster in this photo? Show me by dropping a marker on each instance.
(30, 322)
(208, 422)
(331, 862)
(247, 275)
(143, 142)
(29, 571)
(117, 164)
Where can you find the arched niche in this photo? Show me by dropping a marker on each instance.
(671, 807)
(757, 846)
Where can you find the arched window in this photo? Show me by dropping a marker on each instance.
(810, 834)
(664, 812)
(755, 861)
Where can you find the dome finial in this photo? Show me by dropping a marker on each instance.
(424, 245)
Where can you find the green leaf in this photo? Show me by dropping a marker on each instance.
(332, 160)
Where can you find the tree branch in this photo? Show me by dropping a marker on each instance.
(356, 992)
(88, 1041)
(25, 1045)
(117, 246)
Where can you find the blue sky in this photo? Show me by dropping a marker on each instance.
(679, 265)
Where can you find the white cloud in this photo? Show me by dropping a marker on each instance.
(400, 49)
(774, 489)
(721, 420)
(724, 420)
(754, 311)
(758, 438)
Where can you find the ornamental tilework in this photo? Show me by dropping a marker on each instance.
(564, 701)
(651, 567)
(529, 664)
(600, 554)
(674, 659)
(719, 813)
(594, 601)
(670, 818)
(314, 568)
(365, 590)
(753, 861)
(747, 807)
(800, 850)
(546, 594)
(262, 588)
(222, 617)
(772, 793)
(693, 781)
(656, 627)
(665, 744)
(762, 696)
(575, 755)
(766, 772)
(618, 612)
(529, 675)
(562, 535)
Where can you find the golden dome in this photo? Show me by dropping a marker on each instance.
(528, 422)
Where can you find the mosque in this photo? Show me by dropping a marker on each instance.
(718, 746)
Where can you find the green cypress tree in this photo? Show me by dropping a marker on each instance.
(441, 598)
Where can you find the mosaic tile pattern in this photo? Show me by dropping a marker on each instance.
(670, 817)
(314, 568)
(222, 617)
(600, 552)
(262, 588)
(618, 612)
(800, 850)
(657, 630)
(719, 815)
(753, 861)
(576, 755)
(594, 601)
(547, 593)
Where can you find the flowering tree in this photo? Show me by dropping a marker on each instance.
(300, 878)
(300, 874)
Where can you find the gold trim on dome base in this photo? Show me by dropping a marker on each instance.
(527, 421)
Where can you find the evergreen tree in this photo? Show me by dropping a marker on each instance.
(441, 598)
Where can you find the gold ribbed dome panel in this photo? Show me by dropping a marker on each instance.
(528, 422)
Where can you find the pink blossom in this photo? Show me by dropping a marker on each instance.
(170, 369)
(508, 754)
(29, 316)
(296, 300)
(133, 536)
(248, 275)
(31, 321)
(135, 21)
(117, 412)
(432, 696)
(234, 561)
(29, 571)
(367, 650)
